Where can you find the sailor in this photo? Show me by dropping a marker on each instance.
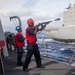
(19, 40)
(32, 47)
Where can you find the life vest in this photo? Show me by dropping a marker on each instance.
(30, 38)
(18, 43)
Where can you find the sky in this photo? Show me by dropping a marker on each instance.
(38, 10)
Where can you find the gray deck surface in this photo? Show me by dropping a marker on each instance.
(52, 67)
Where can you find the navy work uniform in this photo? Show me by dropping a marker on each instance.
(32, 47)
(19, 39)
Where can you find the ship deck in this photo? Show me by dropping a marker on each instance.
(52, 67)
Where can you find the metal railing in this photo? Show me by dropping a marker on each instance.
(68, 47)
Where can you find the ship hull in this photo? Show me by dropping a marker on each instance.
(64, 34)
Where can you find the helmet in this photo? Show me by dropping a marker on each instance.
(18, 28)
(30, 21)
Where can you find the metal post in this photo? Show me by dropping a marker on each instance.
(1, 64)
(45, 46)
(71, 59)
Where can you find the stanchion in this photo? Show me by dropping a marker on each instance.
(45, 46)
(1, 62)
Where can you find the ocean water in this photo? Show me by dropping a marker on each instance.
(53, 49)
(50, 48)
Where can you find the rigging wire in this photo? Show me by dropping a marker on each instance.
(16, 21)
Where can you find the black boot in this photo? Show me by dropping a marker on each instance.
(26, 70)
(41, 67)
(20, 64)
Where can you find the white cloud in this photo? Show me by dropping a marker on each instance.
(39, 10)
(30, 4)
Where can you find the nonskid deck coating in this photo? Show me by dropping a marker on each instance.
(52, 67)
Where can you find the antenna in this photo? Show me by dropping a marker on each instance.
(68, 6)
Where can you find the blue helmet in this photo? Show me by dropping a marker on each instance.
(18, 28)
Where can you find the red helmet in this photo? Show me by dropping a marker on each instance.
(30, 21)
